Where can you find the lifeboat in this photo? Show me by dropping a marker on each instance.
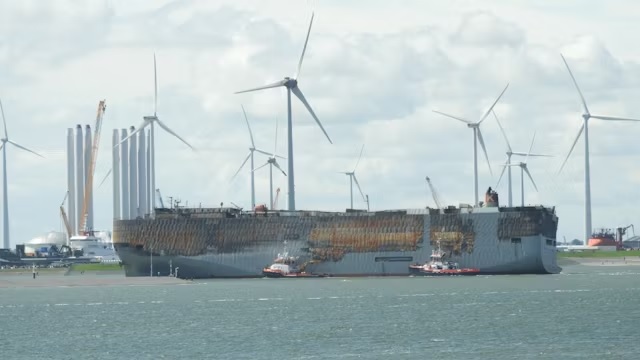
(284, 266)
(438, 266)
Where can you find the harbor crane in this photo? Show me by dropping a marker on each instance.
(160, 198)
(434, 194)
(65, 219)
(88, 186)
(623, 230)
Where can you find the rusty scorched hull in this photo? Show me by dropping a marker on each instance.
(210, 243)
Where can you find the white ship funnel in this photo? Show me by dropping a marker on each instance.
(133, 176)
(115, 165)
(71, 184)
(124, 176)
(79, 178)
(142, 174)
(88, 184)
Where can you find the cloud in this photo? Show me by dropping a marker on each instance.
(484, 29)
(372, 75)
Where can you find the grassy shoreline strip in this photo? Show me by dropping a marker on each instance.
(598, 254)
(97, 267)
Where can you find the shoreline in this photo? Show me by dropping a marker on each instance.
(600, 261)
(26, 280)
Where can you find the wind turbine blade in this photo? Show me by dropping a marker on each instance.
(162, 125)
(273, 85)
(502, 131)
(504, 167)
(140, 128)
(248, 126)
(532, 155)
(105, 178)
(4, 121)
(296, 91)
(494, 104)
(260, 167)
(453, 117)
(24, 148)
(572, 146)
(275, 163)
(304, 49)
(155, 86)
(484, 149)
(359, 157)
(355, 179)
(584, 103)
(530, 147)
(242, 165)
(526, 169)
(262, 152)
(612, 118)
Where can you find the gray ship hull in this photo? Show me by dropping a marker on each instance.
(496, 241)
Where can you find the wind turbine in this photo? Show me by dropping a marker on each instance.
(352, 178)
(585, 127)
(5, 140)
(509, 153)
(292, 87)
(149, 121)
(523, 169)
(477, 137)
(272, 161)
(252, 148)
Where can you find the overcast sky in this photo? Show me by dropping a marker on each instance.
(373, 72)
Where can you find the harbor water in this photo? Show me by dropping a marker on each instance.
(584, 312)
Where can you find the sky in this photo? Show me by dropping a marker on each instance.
(373, 72)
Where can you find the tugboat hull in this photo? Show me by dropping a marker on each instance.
(421, 271)
(278, 274)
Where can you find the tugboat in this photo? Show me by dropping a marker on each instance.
(437, 266)
(285, 266)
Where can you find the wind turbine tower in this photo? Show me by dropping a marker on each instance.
(353, 178)
(292, 87)
(252, 148)
(585, 127)
(477, 137)
(5, 141)
(523, 169)
(150, 121)
(510, 153)
(272, 161)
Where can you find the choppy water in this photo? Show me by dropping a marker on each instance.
(586, 312)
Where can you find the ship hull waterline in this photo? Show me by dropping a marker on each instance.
(496, 241)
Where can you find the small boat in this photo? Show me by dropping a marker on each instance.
(438, 266)
(285, 266)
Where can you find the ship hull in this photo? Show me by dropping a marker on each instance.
(505, 241)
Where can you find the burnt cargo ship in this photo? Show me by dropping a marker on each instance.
(230, 243)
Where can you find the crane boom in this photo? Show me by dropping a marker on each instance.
(92, 164)
(66, 221)
(160, 198)
(434, 194)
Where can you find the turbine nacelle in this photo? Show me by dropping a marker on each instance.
(290, 83)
